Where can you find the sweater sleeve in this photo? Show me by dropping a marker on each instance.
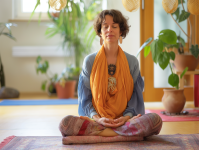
(85, 107)
(135, 105)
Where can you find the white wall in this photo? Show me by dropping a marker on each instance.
(20, 73)
(131, 43)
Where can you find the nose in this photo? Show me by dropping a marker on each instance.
(110, 28)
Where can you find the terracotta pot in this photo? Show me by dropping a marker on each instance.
(185, 60)
(67, 91)
(173, 100)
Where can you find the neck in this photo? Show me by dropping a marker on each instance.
(111, 50)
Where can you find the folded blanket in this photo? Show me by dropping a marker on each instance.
(98, 139)
(76, 130)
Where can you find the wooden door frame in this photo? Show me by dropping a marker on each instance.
(147, 30)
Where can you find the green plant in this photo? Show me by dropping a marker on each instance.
(69, 73)
(4, 26)
(161, 54)
(179, 17)
(42, 66)
(72, 24)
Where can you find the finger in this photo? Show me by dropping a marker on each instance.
(108, 120)
(120, 123)
(117, 120)
(135, 117)
(139, 115)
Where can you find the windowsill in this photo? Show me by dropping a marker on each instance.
(27, 20)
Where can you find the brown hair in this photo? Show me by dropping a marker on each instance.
(117, 18)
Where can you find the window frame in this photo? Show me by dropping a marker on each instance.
(18, 14)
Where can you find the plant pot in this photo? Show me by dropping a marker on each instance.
(173, 100)
(67, 91)
(185, 60)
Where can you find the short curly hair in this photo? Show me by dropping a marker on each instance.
(117, 18)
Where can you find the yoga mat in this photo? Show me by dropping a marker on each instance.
(39, 102)
(193, 115)
(177, 141)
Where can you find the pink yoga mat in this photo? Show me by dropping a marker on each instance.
(193, 115)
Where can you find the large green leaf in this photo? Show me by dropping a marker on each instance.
(194, 50)
(172, 55)
(173, 80)
(159, 45)
(147, 50)
(168, 36)
(184, 15)
(155, 52)
(163, 60)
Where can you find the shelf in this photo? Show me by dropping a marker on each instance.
(188, 72)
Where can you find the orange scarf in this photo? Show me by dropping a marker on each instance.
(107, 104)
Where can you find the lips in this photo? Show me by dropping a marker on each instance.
(109, 35)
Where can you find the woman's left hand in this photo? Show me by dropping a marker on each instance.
(121, 120)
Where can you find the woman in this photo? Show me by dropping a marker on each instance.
(110, 88)
(103, 68)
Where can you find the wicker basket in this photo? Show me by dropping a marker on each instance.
(170, 6)
(131, 5)
(58, 4)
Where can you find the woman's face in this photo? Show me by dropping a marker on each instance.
(110, 31)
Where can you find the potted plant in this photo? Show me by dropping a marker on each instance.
(173, 99)
(6, 92)
(183, 59)
(42, 67)
(72, 23)
(8, 34)
(62, 85)
(65, 84)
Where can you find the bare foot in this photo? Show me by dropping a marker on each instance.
(135, 117)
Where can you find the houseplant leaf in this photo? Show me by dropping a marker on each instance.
(43, 85)
(163, 60)
(173, 80)
(168, 36)
(147, 50)
(154, 50)
(159, 45)
(177, 13)
(184, 71)
(38, 59)
(194, 50)
(172, 55)
(184, 15)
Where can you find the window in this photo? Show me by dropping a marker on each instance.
(22, 9)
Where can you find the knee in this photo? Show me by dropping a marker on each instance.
(66, 125)
(155, 118)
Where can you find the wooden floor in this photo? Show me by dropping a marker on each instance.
(44, 120)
